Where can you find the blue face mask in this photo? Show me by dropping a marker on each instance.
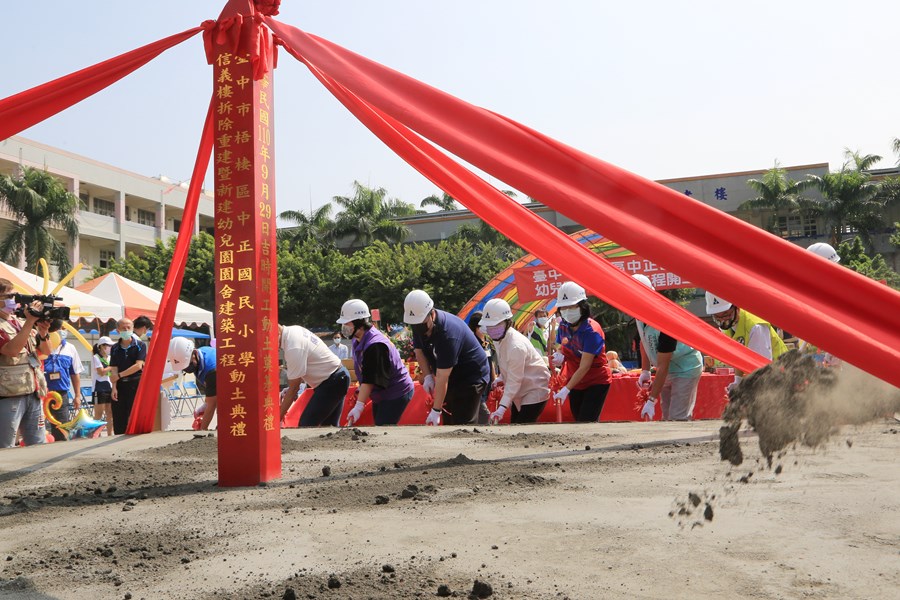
(9, 305)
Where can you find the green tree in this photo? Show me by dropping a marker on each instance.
(443, 202)
(317, 226)
(368, 216)
(895, 237)
(851, 200)
(776, 192)
(854, 256)
(896, 146)
(153, 265)
(39, 203)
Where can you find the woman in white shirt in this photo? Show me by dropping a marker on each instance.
(525, 376)
(100, 370)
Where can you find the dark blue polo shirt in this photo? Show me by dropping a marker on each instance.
(124, 358)
(452, 345)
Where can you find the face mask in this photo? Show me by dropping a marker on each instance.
(63, 333)
(191, 368)
(541, 321)
(347, 330)
(125, 334)
(496, 332)
(9, 305)
(571, 315)
(419, 330)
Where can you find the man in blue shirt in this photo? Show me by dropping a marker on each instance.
(62, 369)
(451, 358)
(201, 362)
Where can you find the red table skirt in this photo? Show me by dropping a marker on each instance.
(622, 404)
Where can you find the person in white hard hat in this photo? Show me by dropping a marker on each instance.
(380, 371)
(309, 361)
(451, 358)
(525, 376)
(678, 370)
(100, 371)
(746, 329)
(581, 351)
(826, 251)
(201, 362)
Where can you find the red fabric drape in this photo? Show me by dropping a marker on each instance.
(147, 400)
(834, 308)
(540, 237)
(21, 111)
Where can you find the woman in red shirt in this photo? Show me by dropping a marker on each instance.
(582, 354)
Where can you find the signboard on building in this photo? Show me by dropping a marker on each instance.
(541, 283)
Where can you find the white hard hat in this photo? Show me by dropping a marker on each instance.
(644, 279)
(416, 307)
(496, 311)
(569, 294)
(826, 251)
(105, 341)
(180, 350)
(715, 305)
(353, 310)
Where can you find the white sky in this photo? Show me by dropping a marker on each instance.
(664, 89)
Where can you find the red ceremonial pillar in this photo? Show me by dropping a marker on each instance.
(246, 303)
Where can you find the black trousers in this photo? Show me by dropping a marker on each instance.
(121, 408)
(461, 404)
(528, 414)
(586, 404)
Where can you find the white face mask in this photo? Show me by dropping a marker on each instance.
(541, 321)
(571, 315)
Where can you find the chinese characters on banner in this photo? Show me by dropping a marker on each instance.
(246, 305)
(541, 283)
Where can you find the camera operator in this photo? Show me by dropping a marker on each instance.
(22, 382)
(63, 369)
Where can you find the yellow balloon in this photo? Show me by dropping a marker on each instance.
(55, 340)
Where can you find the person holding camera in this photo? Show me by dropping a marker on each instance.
(63, 369)
(127, 358)
(22, 383)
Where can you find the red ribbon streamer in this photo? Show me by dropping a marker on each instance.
(830, 306)
(21, 111)
(146, 402)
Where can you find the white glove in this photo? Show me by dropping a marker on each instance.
(497, 382)
(497, 415)
(428, 384)
(649, 410)
(557, 359)
(355, 413)
(561, 395)
(644, 378)
(433, 418)
(733, 384)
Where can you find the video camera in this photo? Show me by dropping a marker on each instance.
(49, 310)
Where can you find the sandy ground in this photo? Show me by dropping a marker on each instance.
(543, 511)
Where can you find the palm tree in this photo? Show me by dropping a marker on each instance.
(316, 226)
(775, 191)
(896, 146)
(368, 216)
(851, 201)
(39, 202)
(443, 202)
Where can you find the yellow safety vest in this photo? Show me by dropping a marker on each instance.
(746, 322)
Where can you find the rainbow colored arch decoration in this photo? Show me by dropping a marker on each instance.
(503, 284)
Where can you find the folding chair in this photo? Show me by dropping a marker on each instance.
(191, 394)
(176, 399)
(87, 398)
